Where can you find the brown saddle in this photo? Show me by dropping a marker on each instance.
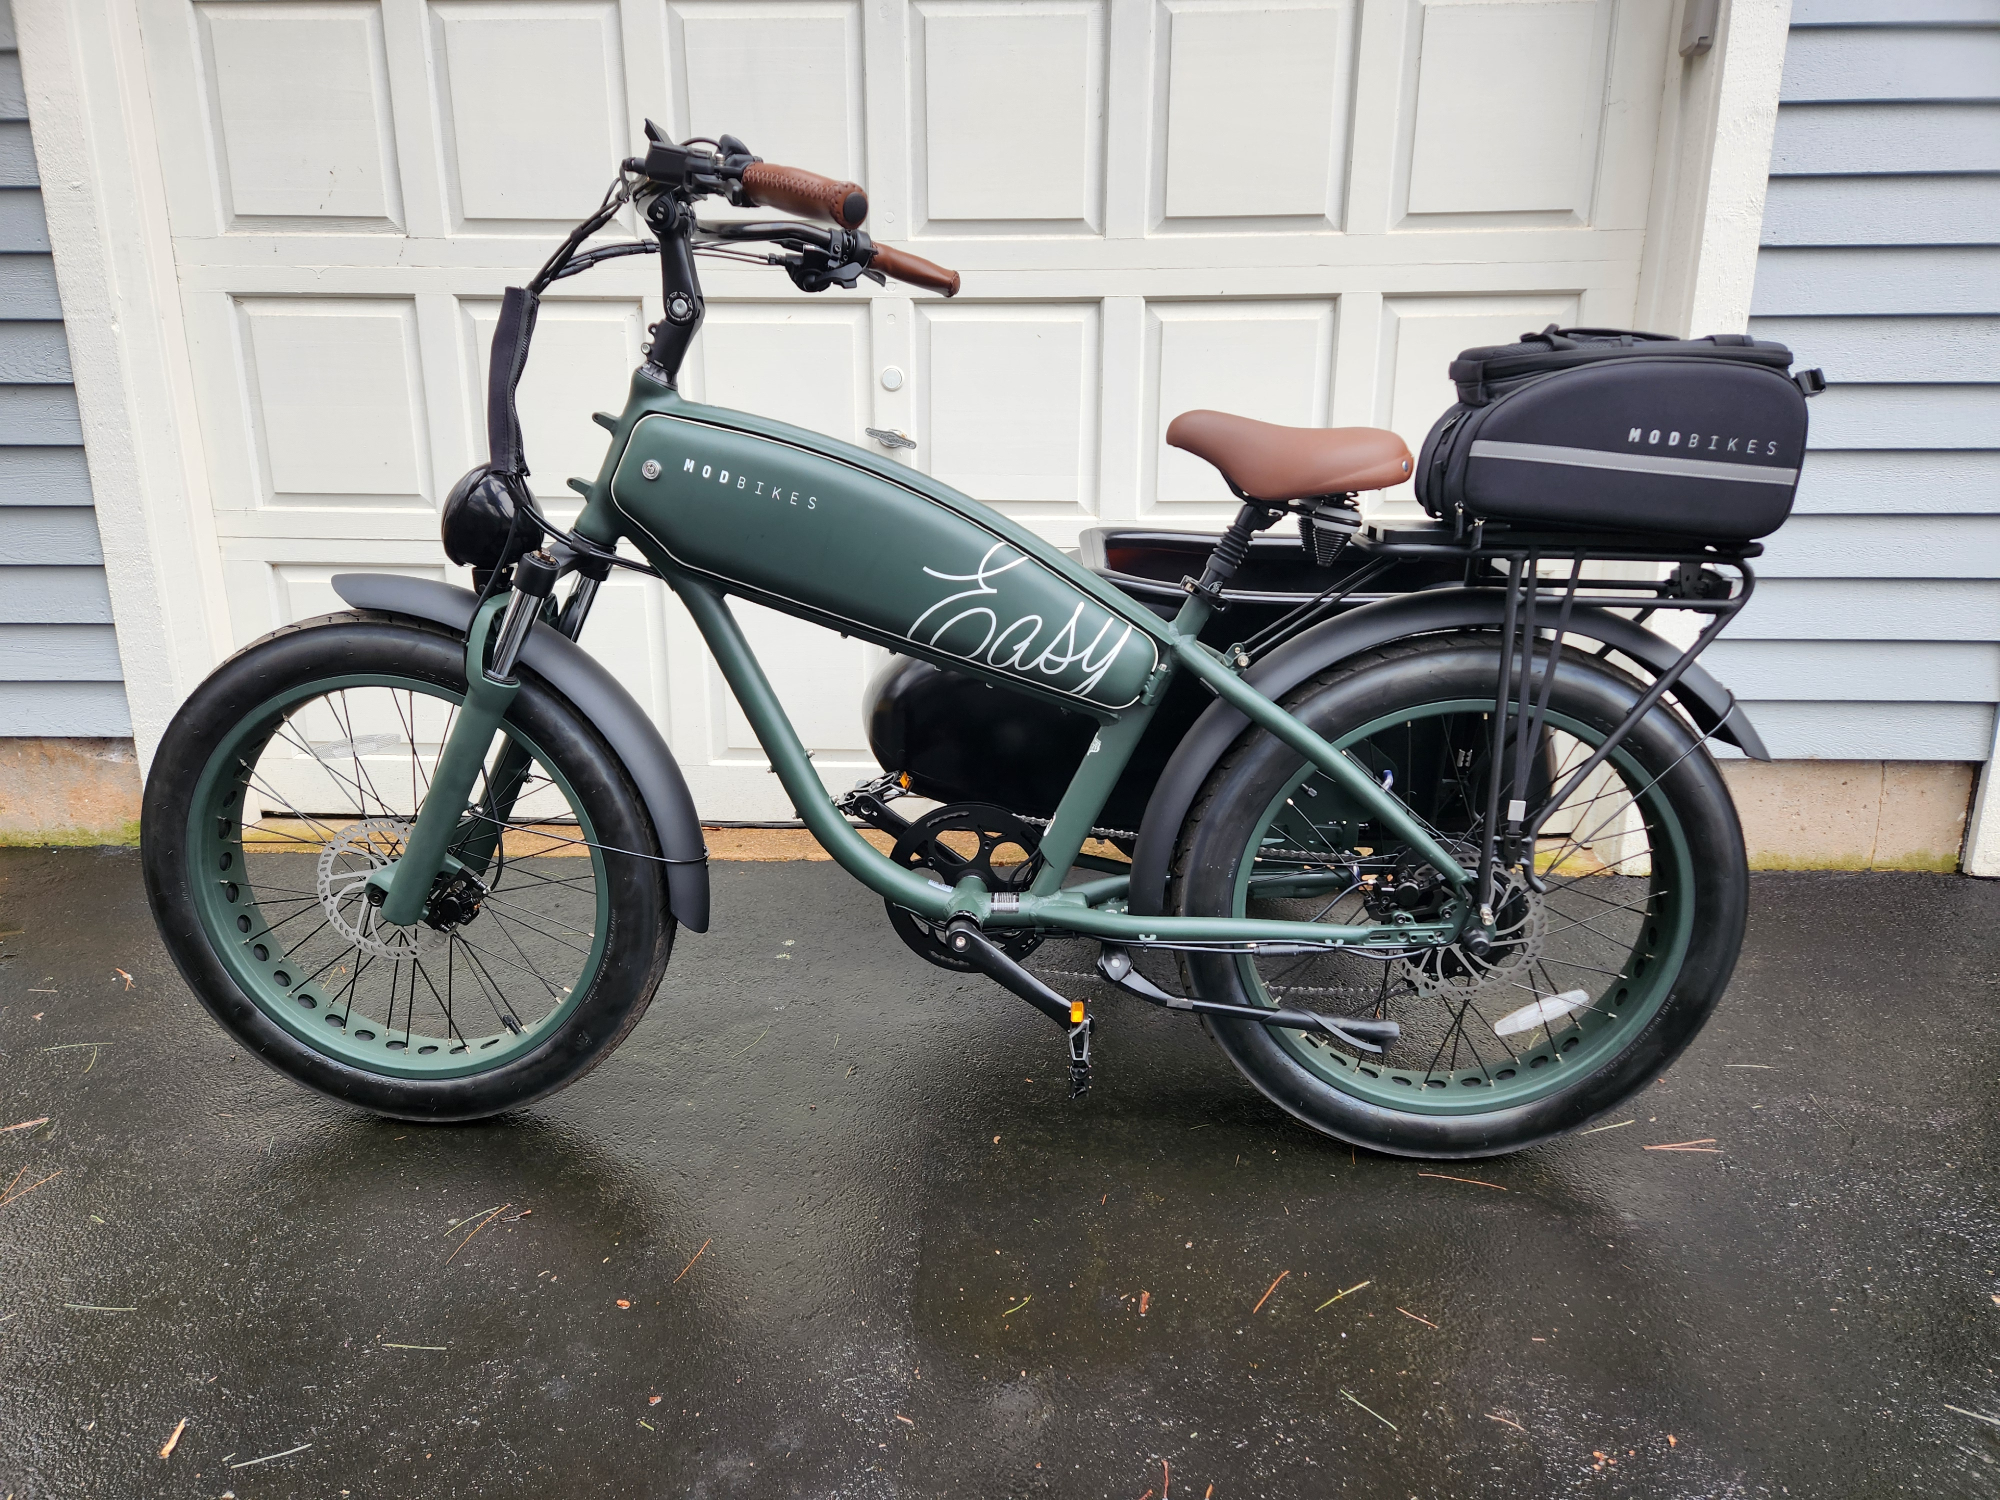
(1268, 462)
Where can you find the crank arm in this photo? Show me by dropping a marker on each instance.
(1115, 966)
(965, 939)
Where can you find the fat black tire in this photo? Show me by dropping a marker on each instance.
(639, 937)
(1430, 670)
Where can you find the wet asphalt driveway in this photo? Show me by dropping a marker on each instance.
(827, 1226)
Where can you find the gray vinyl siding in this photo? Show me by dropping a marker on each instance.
(1875, 629)
(59, 668)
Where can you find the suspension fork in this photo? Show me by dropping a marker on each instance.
(510, 770)
(405, 885)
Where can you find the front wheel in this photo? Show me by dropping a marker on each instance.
(295, 771)
(1603, 968)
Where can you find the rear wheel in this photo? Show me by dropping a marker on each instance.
(296, 770)
(1596, 980)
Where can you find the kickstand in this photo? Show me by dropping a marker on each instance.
(1079, 1058)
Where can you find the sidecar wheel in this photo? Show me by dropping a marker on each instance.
(1594, 987)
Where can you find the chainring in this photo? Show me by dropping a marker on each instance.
(952, 842)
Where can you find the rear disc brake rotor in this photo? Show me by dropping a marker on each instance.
(1459, 974)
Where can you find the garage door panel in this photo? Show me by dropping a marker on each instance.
(302, 133)
(1504, 116)
(300, 115)
(582, 362)
(817, 675)
(531, 100)
(1011, 97)
(1008, 403)
(803, 363)
(1251, 114)
(1269, 360)
(627, 633)
(1422, 335)
(1294, 209)
(335, 393)
(784, 76)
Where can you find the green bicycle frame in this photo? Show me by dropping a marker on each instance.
(721, 503)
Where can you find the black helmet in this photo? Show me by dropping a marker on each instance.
(479, 515)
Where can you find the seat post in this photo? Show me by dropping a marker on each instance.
(1229, 553)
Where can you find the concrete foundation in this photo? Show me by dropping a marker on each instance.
(68, 791)
(1852, 814)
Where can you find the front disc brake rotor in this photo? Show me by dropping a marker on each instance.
(350, 857)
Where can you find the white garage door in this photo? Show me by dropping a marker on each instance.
(1294, 211)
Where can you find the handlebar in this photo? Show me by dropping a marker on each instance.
(807, 194)
(914, 269)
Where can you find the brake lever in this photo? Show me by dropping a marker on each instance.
(814, 270)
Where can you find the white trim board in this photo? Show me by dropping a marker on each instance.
(97, 154)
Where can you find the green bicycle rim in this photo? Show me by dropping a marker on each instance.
(239, 931)
(1563, 1053)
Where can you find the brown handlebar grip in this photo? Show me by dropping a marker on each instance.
(915, 270)
(806, 194)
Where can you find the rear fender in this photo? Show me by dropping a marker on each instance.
(598, 697)
(1704, 700)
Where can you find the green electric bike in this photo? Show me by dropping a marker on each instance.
(1421, 821)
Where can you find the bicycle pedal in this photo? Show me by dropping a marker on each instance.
(1079, 1054)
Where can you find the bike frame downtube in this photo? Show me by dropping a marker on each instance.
(1045, 905)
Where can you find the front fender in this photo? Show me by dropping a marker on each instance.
(1707, 702)
(599, 698)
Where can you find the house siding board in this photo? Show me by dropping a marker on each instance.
(59, 664)
(1889, 350)
(43, 476)
(1908, 12)
(1857, 210)
(1898, 139)
(1875, 629)
(1895, 482)
(59, 653)
(1850, 281)
(1885, 547)
(1842, 730)
(63, 710)
(1871, 609)
(1851, 64)
(24, 230)
(1872, 671)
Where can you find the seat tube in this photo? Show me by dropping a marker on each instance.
(1089, 789)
